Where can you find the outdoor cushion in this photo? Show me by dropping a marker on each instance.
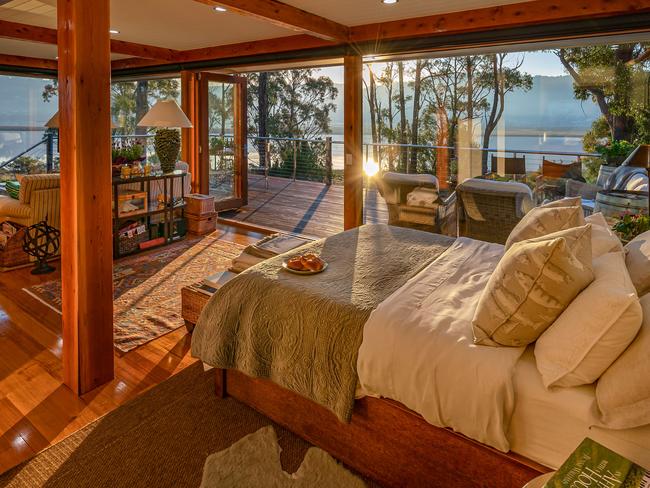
(13, 189)
(594, 330)
(422, 197)
(32, 183)
(410, 179)
(623, 391)
(545, 220)
(565, 202)
(531, 286)
(637, 261)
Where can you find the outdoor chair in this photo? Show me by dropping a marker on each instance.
(488, 210)
(511, 166)
(551, 183)
(412, 200)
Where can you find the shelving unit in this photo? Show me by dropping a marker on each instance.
(171, 214)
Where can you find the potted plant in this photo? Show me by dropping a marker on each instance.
(629, 226)
(614, 151)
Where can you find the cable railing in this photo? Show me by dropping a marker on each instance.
(310, 159)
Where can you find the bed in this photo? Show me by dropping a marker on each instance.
(301, 349)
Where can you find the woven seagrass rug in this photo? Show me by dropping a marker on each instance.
(147, 287)
(160, 439)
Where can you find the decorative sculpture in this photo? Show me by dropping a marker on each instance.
(41, 242)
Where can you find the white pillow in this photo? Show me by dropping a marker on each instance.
(623, 391)
(593, 330)
(603, 240)
(638, 262)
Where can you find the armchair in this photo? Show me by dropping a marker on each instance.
(412, 200)
(39, 197)
(488, 210)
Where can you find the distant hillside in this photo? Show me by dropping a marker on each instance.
(548, 107)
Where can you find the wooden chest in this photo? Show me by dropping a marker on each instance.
(204, 224)
(199, 205)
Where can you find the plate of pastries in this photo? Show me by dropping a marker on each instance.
(305, 264)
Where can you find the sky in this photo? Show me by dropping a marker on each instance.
(535, 63)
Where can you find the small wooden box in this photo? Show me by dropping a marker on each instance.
(204, 224)
(195, 296)
(199, 205)
(137, 199)
(12, 254)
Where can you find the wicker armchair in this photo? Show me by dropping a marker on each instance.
(412, 200)
(488, 210)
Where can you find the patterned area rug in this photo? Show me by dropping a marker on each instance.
(147, 287)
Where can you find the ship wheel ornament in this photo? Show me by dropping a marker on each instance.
(41, 242)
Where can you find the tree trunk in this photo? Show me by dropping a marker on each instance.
(469, 66)
(402, 117)
(263, 113)
(371, 95)
(413, 163)
(141, 104)
(498, 103)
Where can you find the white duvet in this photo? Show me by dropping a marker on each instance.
(418, 348)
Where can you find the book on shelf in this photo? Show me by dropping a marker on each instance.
(595, 466)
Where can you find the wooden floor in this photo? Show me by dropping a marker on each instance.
(36, 409)
(302, 207)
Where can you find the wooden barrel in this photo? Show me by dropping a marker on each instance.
(613, 204)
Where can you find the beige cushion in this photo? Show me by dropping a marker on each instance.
(623, 391)
(422, 197)
(603, 240)
(32, 183)
(638, 262)
(545, 220)
(594, 330)
(531, 286)
(564, 202)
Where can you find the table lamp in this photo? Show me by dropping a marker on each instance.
(167, 117)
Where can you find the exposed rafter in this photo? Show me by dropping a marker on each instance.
(286, 16)
(25, 32)
(26, 62)
(536, 12)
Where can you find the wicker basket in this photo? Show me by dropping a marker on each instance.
(131, 243)
(199, 205)
(13, 255)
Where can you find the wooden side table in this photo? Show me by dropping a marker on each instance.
(195, 296)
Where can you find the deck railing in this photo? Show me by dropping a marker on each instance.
(296, 158)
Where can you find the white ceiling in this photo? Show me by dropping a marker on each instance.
(188, 24)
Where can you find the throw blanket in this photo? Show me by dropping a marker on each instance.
(304, 332)
(418, 348)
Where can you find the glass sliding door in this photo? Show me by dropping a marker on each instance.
(223, 139)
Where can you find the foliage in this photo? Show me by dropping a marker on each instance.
(614, 77)
(629, 226)
(126, 151)
(299, 106)
(614, 150)
(28, 165)
(218, 144)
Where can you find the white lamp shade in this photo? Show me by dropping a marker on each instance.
(165, 113)
(53, 123)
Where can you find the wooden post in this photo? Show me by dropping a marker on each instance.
(295, 160)
(328, 160)
(86, 225)
(353, 119)
(190, 145)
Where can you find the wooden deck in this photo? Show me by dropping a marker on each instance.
(302, 207)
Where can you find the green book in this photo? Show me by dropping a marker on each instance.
(593, 465)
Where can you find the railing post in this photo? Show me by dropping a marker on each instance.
(328, 161)
(49, 150)
(267, 157)
(295, 159)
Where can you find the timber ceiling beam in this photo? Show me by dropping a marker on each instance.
(507, 16)
(501, 17)
(32, 33)
(286, 16)
(26, 62)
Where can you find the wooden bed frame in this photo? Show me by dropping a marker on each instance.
(385, 441)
